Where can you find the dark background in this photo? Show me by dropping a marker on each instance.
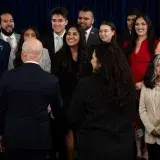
(37, 12)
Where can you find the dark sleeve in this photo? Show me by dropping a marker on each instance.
(76, 111)
(55, 65)
(3, 103)
(56, 102)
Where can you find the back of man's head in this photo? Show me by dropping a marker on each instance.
(31, 50)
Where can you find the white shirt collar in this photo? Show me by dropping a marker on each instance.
(5, 37)
(32, 62)
(88, 30)
(56, 35)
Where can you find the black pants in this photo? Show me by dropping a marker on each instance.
(153, 151)
(18, 154)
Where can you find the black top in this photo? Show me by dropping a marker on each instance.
(92, 109)
(69, 72)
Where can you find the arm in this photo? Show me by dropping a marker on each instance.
(47, 61)
(157, 50)
(56, 100)
(143, 113)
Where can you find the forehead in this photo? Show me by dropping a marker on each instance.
(85, 14)
(131, 17)
(72, 29)
(30, 31)
(6, 16)
(57, 16)
(104, 26)
(140, 20)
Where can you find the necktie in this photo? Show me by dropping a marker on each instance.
(9, 40)
(59, 43)
(86, 35)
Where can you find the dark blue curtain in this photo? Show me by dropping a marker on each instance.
(37, 12)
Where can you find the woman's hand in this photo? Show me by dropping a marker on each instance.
(139, 85)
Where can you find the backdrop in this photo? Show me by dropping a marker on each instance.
(37, 12)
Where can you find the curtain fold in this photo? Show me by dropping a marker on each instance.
(37, 12)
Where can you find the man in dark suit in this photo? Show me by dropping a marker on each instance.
(131, 16)
(25, 94)
(86, 20)
(53, 41)
(4, 56)
(7, 34)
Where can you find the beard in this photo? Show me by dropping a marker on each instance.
(6, 33)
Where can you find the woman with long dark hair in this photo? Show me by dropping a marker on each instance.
(70, 64)
(27, 33)
(140, 51)
(149, 108)
(103, 107)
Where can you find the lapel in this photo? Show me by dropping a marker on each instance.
(1, 36)
(90, 37)
(17, 37)
(52, 43)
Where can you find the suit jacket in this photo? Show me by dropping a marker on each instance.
(4, 56)
(11, 57)
(16, 35)
(25, 93)
(149, 113)
(48, 42)
(93, 41)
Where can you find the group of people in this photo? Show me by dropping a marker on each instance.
(81, 89)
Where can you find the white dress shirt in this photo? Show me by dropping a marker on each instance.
(87, 33)
(58, 41)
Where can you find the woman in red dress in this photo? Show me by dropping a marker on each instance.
(140, 52)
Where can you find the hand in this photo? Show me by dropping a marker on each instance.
(1, 144)
(139, 85)
(154, 133)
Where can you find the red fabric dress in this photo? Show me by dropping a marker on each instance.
(138, 63)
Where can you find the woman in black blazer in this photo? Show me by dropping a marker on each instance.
(70, 64)
(103, 107)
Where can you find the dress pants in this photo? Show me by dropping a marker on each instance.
(153, 151)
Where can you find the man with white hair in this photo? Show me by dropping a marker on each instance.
(25, 93)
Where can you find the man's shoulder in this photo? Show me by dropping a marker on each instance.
(4, 45)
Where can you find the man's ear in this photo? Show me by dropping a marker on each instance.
(66, 21)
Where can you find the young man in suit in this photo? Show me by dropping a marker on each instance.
(86, 20)
(25, 94)
(7, 34)
(53, 41)
(131, 16)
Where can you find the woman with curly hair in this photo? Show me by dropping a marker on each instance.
(103, 107)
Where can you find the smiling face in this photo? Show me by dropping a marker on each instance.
(7, 24)
(58, 23)
(141, 27)
(72, 37)
(106, 33)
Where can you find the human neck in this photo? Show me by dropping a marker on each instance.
(141, 38)
(60, 33)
